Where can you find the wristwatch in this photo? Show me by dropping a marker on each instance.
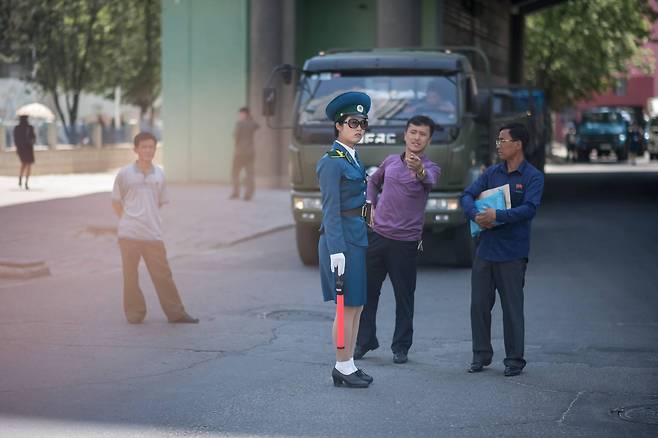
(421, 174)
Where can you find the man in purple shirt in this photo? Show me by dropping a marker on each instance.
(398, 191)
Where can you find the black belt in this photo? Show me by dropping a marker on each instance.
(355, 212)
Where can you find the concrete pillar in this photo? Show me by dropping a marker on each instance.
(97, 135)
(517, 40)
(398, 23)
(3, 139)
(265, 49)
(288, 50)
(51, 135)
(133, 130)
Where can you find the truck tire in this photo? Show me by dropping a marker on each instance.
(622, 155)
(464, 246)
(307, 237)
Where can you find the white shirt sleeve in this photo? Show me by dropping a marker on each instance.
(117, 192)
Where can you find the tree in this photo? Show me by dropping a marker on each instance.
(143, 87)
(70, 46)
(581, 47)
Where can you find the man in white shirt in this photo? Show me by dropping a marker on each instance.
(139, 192)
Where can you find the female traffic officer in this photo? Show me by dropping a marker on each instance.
(343, 236)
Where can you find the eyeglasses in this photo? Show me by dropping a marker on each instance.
(353, 123)
(500, 141)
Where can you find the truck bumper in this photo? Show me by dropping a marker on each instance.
(441, 212)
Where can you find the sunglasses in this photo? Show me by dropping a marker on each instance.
(353, 123)
(500, 141)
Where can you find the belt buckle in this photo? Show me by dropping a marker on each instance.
(363, 210)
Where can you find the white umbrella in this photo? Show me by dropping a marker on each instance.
(36, 110)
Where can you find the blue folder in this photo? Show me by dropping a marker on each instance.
(495, 201)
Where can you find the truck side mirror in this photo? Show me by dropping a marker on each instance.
(286, 74)
(269, 101)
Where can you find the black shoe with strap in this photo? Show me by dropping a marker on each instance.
(363, 376)
(349, 380)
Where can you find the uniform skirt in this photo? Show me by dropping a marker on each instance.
(355, 274)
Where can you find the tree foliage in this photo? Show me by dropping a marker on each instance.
(70, 46)
(581, 47)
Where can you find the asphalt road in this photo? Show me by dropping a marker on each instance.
(259, 363)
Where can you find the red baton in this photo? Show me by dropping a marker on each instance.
(340, 314)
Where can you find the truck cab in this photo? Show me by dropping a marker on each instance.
(401, 83)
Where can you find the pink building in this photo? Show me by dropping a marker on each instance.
(631, 92)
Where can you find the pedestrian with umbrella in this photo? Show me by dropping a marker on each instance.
(24, 139)
(343, 236)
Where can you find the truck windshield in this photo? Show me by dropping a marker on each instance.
(395, 98)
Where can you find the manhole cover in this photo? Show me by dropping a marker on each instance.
(298, 315)
(646, 414)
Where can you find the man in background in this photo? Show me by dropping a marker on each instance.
(244, 155)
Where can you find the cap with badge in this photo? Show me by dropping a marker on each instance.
(353, 103)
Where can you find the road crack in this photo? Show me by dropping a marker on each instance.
(571, 405)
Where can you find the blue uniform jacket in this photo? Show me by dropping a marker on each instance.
(343, 187)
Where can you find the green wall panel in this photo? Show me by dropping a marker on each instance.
(345, 24)
(429, 23)
(204, 64)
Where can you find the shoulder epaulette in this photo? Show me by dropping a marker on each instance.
(336, 153)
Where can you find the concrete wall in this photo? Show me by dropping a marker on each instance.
(485, 24)
(205, 76)
(65, 159)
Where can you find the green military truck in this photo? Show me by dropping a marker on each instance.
(440, 84)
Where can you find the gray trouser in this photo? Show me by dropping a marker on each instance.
(155, 257)
(508, 278)
(245, 161)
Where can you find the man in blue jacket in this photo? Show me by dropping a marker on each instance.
(502, 254)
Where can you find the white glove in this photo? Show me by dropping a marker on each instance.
(338, 263)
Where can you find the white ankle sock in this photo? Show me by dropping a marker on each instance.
(345, 368)
(352, 364)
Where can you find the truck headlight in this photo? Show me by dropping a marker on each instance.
(442, 204)
(622, 138)
(307, 203)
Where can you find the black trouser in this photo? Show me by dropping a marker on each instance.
(398, 259)
(508, 278)
(245, 161)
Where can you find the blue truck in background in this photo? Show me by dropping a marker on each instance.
(605, 130)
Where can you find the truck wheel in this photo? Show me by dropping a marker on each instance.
(464, 246)
(622, 155)
(307, 243)
(583, 156)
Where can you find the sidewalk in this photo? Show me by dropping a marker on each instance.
(67, 222)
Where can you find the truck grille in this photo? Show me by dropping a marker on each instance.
(600, 138)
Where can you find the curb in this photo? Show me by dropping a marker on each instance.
(21, 270)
